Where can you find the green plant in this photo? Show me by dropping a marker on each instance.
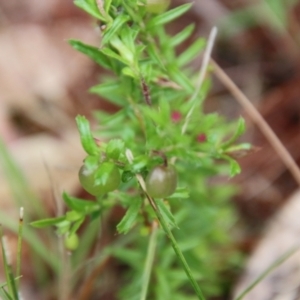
(160, 121)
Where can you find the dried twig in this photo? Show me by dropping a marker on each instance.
(203, 69)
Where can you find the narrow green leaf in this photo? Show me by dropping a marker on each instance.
(73, 215)
(192, 52)
(240, 129)
(110, 91)
(108, 52)
(13, 284)
(180, 193)
(76, 225)
(164, 111)
(239, 147)
(180, 78)
(182, 35)
(111, 120)
(114, 148)
(235, 168)
(166, 212)
(92, 52)
(90, 7)
(128, 72)
(5, 295)
(153, 53)
(126, 54)
(140, 162)
(78, 204)
(47, 222)
(128, 36)
(114, 28)
(130, 216)
(153, 114)
(87, 141)
(95, 215)
(127, 176)
(107, 4)
(170, 15)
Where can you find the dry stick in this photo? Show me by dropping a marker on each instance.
(265, 273)
(205, 63)
(259, 120)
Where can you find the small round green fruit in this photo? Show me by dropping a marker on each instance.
(161, 181)
(72, 242)
(157, 6)
(87, 179)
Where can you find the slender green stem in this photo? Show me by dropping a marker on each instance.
(274, 265)
(167, 230)
(64, 272)
(20, 236)
(149, 261)
(10, 280)
(176, 248)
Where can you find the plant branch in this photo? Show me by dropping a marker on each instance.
(6, 259)
(149, 260)
(206, 58)
(146, 92)
(19, 247)
(175, 246)
(259, 120)
(168, 231)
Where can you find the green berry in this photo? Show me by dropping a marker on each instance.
(72, 242)
(161, 181)
(87, 179)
